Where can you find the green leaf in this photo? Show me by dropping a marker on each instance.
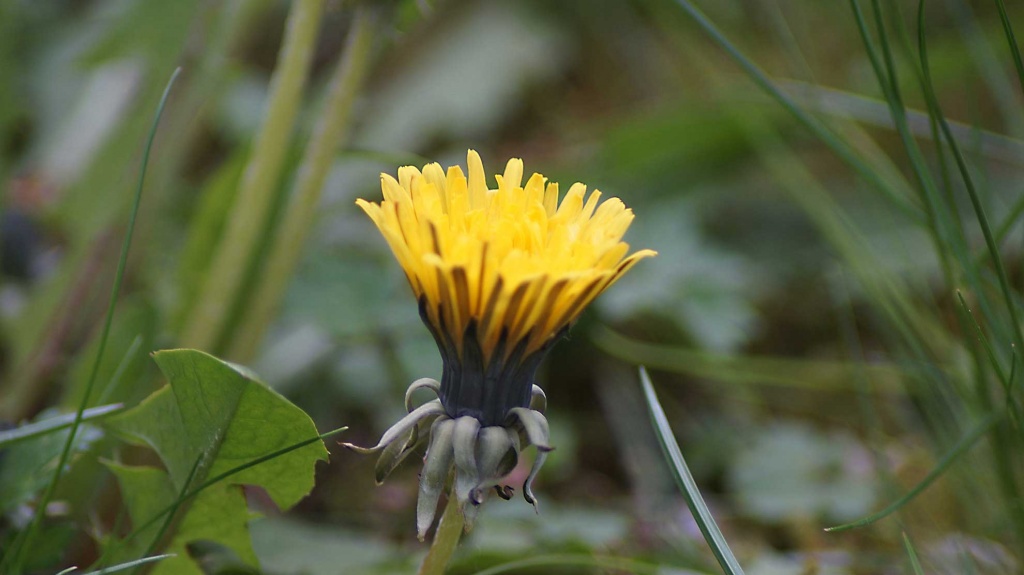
(146, 491)
(221, 416)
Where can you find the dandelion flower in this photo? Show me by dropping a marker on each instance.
(499, 275)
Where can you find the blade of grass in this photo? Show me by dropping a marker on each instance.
(17, 553)
(809, 375)
(984, 342)
(915, 565)
(131, 564)
(52, 424)
(874, 112)
(1005, 443)
(122, 367)
(888, 291)
(906, 45)
(840, 148)
(1002, 95)
(941, 224)
(1011, 218)
(961, 447)
(961, 163)
(1011, 40)
(174, 510)
(208, 323)
(301, 212)
(694, 500)
(1010, 404)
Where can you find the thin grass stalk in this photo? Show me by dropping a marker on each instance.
(887, 291)
(945, 233)
(985, 343)
(850, 338)
(237, 251)
(119, 371)
(840, 148)
(896, 15)
(990, 69)
(1012, 215)
(128, 565)
(961, 447)
(1005, 445)
(446, 539)
(941, 214)
(165, 527)
(1011, 40)
(15, 559)
(301, 212)
(941, 227)
(915, 564)
(972, 193)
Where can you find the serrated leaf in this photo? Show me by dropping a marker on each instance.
(222, 417)
(145, 491)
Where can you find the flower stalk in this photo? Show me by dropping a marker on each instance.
(446, 539)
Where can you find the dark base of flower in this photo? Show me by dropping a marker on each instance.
(485, 392)
(480, 455)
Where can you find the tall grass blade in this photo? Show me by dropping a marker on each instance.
(961, 163)
(208, 326)
(53, 424)
(1012, 41)
(965, 443)
(14, 560)
(122, 367)
(984, 342)
(131, 564)
(301, 211)
(1011, 218)
(701, 513)
(836, 144)
(915, 565)
(941, 224)
(174, 510)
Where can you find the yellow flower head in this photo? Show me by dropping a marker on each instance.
(501, 273)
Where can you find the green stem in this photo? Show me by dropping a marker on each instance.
(26, 538)
(237, 250)
(449, 531)
(302, 210)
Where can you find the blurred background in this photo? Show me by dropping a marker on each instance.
(825, 322)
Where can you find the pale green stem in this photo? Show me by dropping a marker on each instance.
(256, 194)
(449, 531)
(302, 209)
